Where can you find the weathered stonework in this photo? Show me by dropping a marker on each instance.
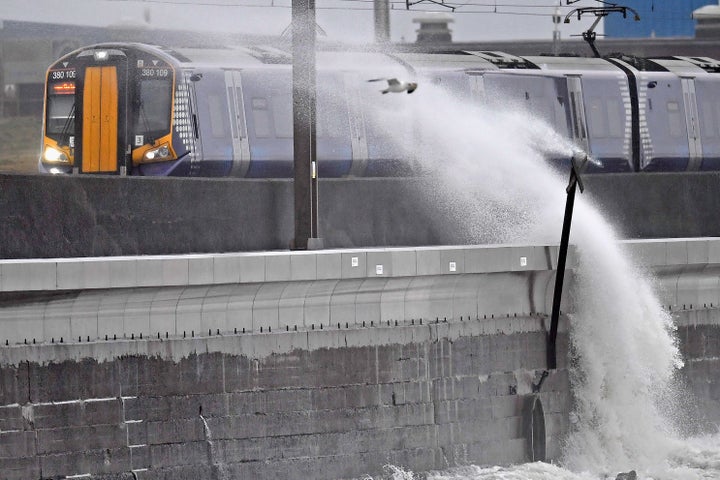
(450, 397)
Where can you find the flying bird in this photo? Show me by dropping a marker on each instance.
(395, 85)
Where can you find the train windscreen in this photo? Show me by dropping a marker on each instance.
(153, 107)
(60, 118)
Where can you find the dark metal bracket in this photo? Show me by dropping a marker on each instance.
(442, 3)
(537, 386)
(578, 163)
(589, 35)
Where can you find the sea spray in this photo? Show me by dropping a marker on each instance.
(489, 171)
(624, 358)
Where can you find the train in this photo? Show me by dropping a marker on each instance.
(136, 109)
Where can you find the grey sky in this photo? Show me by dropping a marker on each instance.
(348, 20)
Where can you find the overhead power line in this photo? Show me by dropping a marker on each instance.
(464, 7)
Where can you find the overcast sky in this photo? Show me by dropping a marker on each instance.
(343, 20)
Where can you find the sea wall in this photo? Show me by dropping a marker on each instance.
(421, 358)
(699, 340)
(327, 364)
(419, 397)
(330, 404)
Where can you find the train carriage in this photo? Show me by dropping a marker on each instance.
(126, 108)
(677, 100)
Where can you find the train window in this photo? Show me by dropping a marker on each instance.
(154, 107)
(711, 119)
(576, 105)
(709, 127)
(598, 120)
(573, 110)
(581, 123)
(61, 114)
(616, 118)
(282, 115)
(674, 119)
(218, 115)
(261, 117)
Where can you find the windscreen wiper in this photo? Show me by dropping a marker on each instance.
(64, 133)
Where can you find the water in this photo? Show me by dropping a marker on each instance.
(490, 175)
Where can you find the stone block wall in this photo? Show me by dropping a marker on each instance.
(448, 394)
(334, 412)
(699, 340)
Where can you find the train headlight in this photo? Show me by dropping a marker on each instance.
(100, 55)
(157, 154)
(52, 154)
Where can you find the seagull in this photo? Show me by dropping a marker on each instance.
(395, 85)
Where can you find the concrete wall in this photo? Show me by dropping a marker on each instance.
(667, 205)
(45, 216)
(88, 299)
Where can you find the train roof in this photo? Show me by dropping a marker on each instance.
(411, 63)
(453, 61)
(369, 61)
(572, 63)
(680, 64)
(218, 58)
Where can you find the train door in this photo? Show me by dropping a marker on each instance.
(238, 124)
(213, 123)
(267, 95)
(334, 146)
(609, 121)
(691, 120)
(707, 89)
(100, 120)
(578, 124)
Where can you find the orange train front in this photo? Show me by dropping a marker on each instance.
(110, 109)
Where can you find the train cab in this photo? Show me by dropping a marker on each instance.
(109, 109)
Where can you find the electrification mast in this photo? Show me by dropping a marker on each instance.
(304, 126)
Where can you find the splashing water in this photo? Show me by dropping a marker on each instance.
(625, 357)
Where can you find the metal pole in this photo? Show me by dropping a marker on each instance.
(562, 257)
(304, 147)
(382, 21)
(556, 32)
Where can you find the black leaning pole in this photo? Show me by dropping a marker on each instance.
(575, 181)
(304, 126)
